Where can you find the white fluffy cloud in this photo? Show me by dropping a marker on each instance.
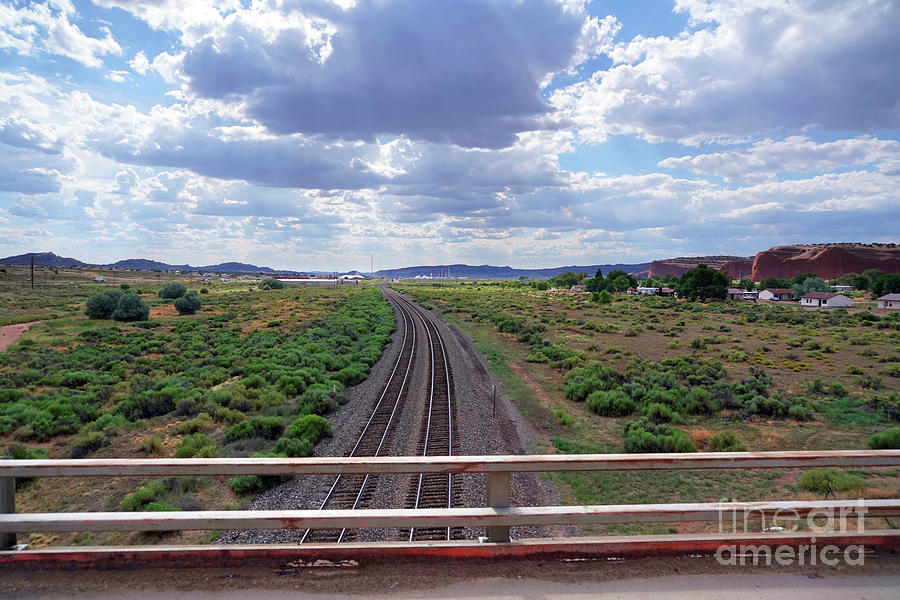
(746, 68)
(47, 27)
(767, 158)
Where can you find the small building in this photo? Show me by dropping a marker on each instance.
(841, 288)
(889, 301)
(647, 291)
(667, 292)
(735, 293)
(578, 288)
(775, 294)
(825, 300)
(100, 279)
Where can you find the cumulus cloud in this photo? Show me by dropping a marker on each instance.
(767, 158)
(745, 68)
(467, 73)
(34, 27)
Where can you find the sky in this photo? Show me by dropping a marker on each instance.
(324, 134)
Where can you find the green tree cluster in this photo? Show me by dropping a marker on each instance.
(702, 283)
(270, 283)
(809, 285)
(188, 304)
(886, 284)
(113, 304)
(173, 290)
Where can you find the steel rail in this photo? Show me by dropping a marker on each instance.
(408, 323)
(429, 325)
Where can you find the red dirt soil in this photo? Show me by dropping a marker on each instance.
(10, 334)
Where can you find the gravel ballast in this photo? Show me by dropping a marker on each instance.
(479, 432)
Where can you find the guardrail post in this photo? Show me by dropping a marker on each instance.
(7, 505)
(498, 497)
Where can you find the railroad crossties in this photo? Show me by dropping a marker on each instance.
(429, 395)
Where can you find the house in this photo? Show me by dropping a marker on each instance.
(578, 288)
(647, 291)
(825, 300)
(100, 279)
(841, 288)
(890, 301)
(668, 292)
(735, 293)
(775, 294)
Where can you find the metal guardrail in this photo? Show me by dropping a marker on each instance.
(497, 516)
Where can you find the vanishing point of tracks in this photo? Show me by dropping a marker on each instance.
(437, 430)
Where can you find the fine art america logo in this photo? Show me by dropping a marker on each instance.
(819, 520)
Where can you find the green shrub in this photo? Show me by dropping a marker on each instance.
(888, 439)
(644, 436)
(270, 283)
(204, 291)
(151, 445)
(823, 479)
(615, 403)
(202, 422)
(173, 290)
(726, 441)
(102, 305)
(293, 447)
(131, 308)
(245, 484)
(88, 443)
(188, 304)
(196, 445)
(563, 418)
(19, 452)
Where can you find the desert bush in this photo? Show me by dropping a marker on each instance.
(196, 445)
(188, 304)
(88, 443)
(173, 290)
(151, 445)
(270, 283)
(825, 479)
(726, 441)
(131, 308)
(888, 439)
(644, 436)
(245, 484)
(102, 305)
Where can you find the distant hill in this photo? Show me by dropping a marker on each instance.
(41, 259)
(144, 264)
(492, 272)
(48, 259)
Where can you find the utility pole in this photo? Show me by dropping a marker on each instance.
(32, 271)
(372, 257)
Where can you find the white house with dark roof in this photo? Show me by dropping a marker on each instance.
(776, 294)
(825, 300)
(889, 301)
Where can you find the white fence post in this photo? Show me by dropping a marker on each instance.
(498, 497)
(7, 505)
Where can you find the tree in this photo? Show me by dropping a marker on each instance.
(172, 290)
(886, 284)
(102, 305)
(271, 283)
(603, 297)
(621, 283)
(861, 282)
(746, 284)
(596, 283)
(188, 304)
(131, 308)
(809, 285)
(802, 277)
(772, 283)
(701, 283)
(616, 273)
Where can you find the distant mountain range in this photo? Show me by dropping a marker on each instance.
(492, 272)
(49, 259)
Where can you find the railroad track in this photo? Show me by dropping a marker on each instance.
(437, 433)
(355, 491)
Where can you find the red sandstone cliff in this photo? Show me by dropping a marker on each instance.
(827, 261)
(737, 266)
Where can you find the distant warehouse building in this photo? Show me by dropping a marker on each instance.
(825, 300)
(890, 301)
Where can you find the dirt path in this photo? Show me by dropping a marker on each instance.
(10, 334)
